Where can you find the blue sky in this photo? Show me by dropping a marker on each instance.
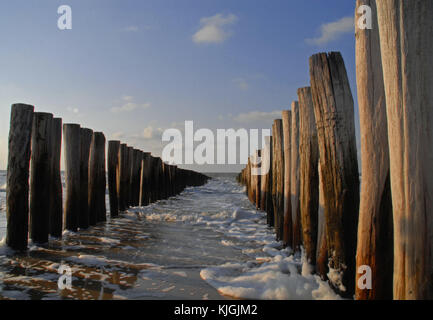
(134, 68)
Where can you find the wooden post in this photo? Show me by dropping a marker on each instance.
(278, 177)
(269, 194)
(287, 135)
(56, 199)
(294, 180)
(122, 177)
(145, 179)
(265, 175)
(333, 110)
(258, 155)
(375, 229)
(72, 146)
(135, 177)
(17, 190)
(40, 180)
(113, 167)
(97, 180)
(322, 248)
(308, 174)
(86, 141)
(406, 29)
(130, 176)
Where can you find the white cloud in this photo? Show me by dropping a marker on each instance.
(214, 29)
(257, 116)
(131, 29)
(148, 133)
(333, 30)
(129, 105)
(118, 135)
(241, 83)
(73, 110)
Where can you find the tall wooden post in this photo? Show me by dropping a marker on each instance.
(113, 167)
(375, 229)
(72, 148)
(265, 175)
(287, 134)
(122, 177)
(17, 190)
(130, 167)
(406, 29)
(308, 174)
(278, 177)
(294, 179)
(145, 178)
(333, 110)
(86, 141)
(56, 199)
(97, 180)
(269, 194)
(258, 155)
(322, 248)
(135, 177)
(40, 180)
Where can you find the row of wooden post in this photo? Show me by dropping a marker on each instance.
(34, 203)
(387, 226)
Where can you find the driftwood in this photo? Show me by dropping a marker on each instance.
(375, 229)
(406, 29)
(72, 146)
(308, 174)
(17, 190)
(86, 141)
(333, 110)
(287, 136)
(294, 179)
(40, 180)
(278, 177)
(56, 199)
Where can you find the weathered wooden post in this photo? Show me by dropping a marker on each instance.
(269, 196)
(72, 146)
(294, 179)
(257, 180)
(406, 29)
(40, 179)
(130, 177)
(113, 167)
(287, 135)
(265, 175)
(333, 110)
(308, 174)
(86, 141)
(322, 248)
(278, 177)
(145, 179)
(122, 177)
(56, 199)
(17, 190)
(97, 180)
(138, 156)
(375, 228)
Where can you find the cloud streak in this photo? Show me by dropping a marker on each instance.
(215, 29)
(129, 105)
(332, 31)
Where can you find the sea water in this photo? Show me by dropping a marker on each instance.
(209, 242)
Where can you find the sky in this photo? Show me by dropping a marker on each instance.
(132, 69)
